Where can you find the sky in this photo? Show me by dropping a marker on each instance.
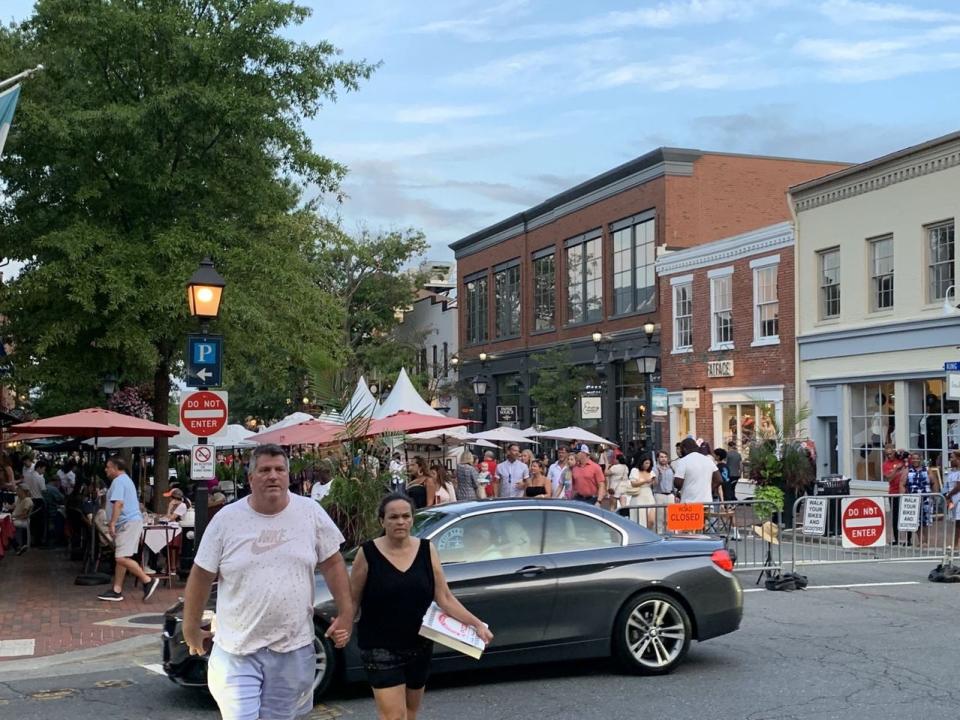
(482, 108)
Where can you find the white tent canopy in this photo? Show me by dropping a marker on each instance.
(363, 404)
(404, 396)
(505, 434)
(291, 419)
(575, 434)
(450, 436)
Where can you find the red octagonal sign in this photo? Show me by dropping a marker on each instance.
(864, 522)
(203, 413)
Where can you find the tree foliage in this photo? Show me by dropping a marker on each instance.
(163, 131)
(558, 385)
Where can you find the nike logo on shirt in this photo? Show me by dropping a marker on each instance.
(269, 540)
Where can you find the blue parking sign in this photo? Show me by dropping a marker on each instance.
(204, 361)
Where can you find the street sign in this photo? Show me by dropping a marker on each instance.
(951, 366)
(908, 520)
(685, 517)
(203, 463)
(203, 413)
(660, 402)
(204, 360)
(815, 516)
(863, 522)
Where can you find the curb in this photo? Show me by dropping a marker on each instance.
(119, 654)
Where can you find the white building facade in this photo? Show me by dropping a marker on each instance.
(875, 323)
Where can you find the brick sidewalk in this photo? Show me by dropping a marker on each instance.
(39, 602)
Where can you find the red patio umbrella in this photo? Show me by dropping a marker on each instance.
(411, 422)
(95, 423)
(308, 432)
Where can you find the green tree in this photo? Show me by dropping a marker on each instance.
(558, 385)
(368, 272)
(163, 131)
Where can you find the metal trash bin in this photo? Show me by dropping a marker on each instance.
(832, 485)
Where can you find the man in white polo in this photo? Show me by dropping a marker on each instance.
(695, 474)
(512, 474)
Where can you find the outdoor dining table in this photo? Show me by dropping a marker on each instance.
(6, 532)
(156, 537)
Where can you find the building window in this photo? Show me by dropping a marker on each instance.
(721, 312)
(544, 292)
(476, 291)
(683, 316)
(829, 283)
(506, 289)
(584, 282)
(435, 368)
(766, 305)
(872, 414)
(881, 270)
(446, 360)
(940, 258)
(633, 268)
(933, 420)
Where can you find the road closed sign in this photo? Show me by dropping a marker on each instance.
(685, 517)
(203, 413)
(863, 522)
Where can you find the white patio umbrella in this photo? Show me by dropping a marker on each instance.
(506, 435)
(450, 436)
(575, 434)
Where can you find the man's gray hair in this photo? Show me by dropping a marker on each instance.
(268, 450)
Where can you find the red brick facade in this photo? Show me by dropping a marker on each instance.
(725, 195)
(754, 367)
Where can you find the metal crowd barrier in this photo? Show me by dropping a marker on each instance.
(753, 536)
(834, 529)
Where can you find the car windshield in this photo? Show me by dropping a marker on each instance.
(424, 520)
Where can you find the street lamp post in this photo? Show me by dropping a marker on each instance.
(480, 390)
(204, 292)
(647, 365)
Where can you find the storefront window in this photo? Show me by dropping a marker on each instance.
(872, 425)
(934, 421)
(632, 404)
(508, 398)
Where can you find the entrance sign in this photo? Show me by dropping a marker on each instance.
(909, 516)
(815, 516)
(203, 464)
(204, 360)
(720, 368)
(685, 517)
(203, 413)
(863, 522)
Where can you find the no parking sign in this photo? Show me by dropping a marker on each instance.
(203, 462)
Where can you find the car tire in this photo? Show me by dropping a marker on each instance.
(652, 634)
(326, 662)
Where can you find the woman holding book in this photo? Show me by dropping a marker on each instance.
(394, 580)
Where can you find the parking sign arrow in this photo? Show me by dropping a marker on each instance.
(204, 374)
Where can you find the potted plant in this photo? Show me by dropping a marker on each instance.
(780, 466)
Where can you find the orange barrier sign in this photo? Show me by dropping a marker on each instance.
(685, 517)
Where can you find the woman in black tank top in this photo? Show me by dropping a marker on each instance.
(393, 581)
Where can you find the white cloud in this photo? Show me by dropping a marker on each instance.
(435, 114)
(856, 12)
(842, 51)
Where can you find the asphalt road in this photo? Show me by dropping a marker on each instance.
(875, 651)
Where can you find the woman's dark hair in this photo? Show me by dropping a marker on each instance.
(720, 453)
(644, 464)
(393, 497)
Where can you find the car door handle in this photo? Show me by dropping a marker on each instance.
(531, 570)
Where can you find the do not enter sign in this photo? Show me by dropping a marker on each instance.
(863, 522)
(203, 413)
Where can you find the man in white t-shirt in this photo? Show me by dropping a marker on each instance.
(321, 486)
(265, 549)
(512, 474)
(695, 474)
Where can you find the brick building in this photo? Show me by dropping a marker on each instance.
(583, 262)
(728, 335)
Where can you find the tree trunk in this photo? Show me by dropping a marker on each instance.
(161, 445)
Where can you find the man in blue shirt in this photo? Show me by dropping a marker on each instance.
(125, 527)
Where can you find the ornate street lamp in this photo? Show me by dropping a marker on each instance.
(479, 386)
(204, 291)
(648, 329)
(109, 385)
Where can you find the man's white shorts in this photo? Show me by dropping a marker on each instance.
(127, 541)
(266, 685)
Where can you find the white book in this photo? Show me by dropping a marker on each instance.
(443, 629)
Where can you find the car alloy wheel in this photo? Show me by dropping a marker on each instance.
(653, 633)
(326, 661)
